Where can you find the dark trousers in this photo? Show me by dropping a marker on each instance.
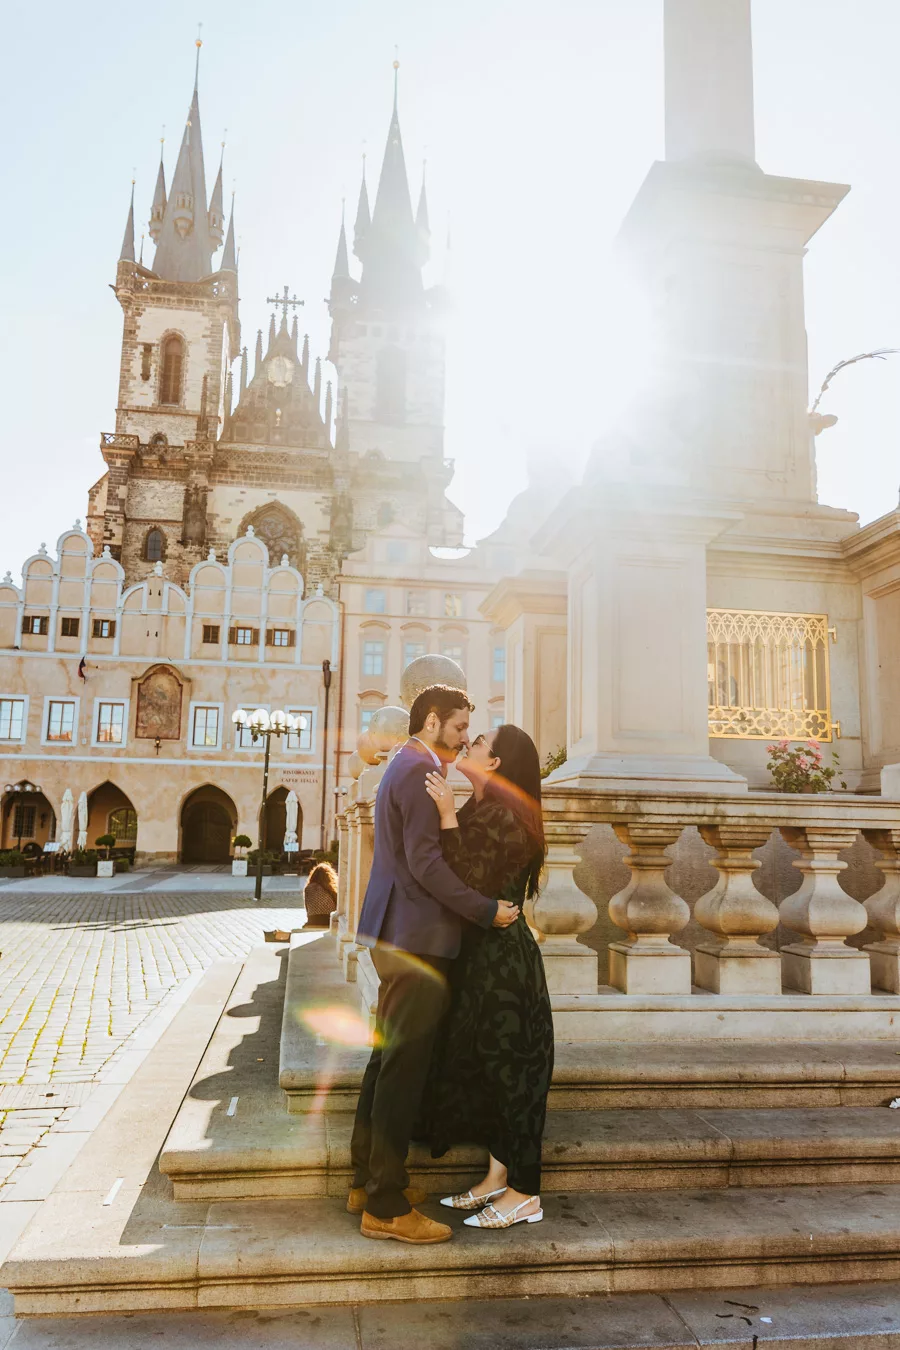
(411, 1002)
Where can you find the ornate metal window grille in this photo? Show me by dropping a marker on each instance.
(768, 675)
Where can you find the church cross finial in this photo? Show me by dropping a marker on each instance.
(198, 43)
(284, 302)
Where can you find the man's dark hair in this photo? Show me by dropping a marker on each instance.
(438, 698)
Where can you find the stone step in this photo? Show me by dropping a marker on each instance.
(112, 1238)
(793, 1317)
(233, 1139)
(323, 1055)
(143, 1251)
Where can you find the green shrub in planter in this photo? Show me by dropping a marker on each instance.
(242, 841)
(12, 863)
(123, 865)
(106, 841)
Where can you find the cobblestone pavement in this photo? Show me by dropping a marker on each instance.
(81, 973)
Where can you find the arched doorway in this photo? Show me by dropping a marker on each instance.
(28, 817)
(208, 823)
(110, 811)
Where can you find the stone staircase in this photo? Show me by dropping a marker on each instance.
(695, 1165)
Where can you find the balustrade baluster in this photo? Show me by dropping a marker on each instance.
(883, 909)
(736, 963)
(825, 916)
(649, 911)
(561, 911)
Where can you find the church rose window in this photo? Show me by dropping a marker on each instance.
(280, 534)
(155, 547)
(172, 370)
(768, 675)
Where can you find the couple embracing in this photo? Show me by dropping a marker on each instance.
(464, 1034)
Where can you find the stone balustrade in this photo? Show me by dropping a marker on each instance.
(736, 916)
(734, 913)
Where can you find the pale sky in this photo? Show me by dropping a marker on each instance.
(538, 123)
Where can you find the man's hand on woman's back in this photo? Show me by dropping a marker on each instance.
(506, 914)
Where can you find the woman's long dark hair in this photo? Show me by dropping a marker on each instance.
(518, 783)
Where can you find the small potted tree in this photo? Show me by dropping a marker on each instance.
(239, 862)
(12, 863)
(106, 866)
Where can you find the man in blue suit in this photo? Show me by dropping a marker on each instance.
(412, 919)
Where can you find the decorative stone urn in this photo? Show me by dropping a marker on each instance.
(426, 671)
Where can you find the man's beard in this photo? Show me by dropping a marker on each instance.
(443, 748)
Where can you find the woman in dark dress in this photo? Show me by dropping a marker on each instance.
(491, 1075)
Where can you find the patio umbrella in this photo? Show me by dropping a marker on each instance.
(291, 807)
(67, 820)
(82, 820)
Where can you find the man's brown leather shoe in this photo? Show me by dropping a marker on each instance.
(356, 1200)
(413, 1228)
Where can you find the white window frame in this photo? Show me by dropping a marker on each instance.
(311, 713)
(413, 642)
(449, 648)
(205, 703)
(17, 698)
(375, 590)
(243, 628)
(124, 704)
(374, 674)
(250, 748)
(287, 636)
(76, 720)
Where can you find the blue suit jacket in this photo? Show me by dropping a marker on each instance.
(414, 901)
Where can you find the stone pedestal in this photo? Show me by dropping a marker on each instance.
(562, 911)
(637, 701)
(883, 909)
(649, 911)
(822, 962)
(737, 914)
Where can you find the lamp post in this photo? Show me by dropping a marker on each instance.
(262, 725)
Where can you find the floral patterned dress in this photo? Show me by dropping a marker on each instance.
(491, 1072)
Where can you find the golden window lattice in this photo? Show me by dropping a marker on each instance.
(768, 675)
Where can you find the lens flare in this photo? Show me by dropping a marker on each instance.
(337, 1025)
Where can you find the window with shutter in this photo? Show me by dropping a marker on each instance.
(104, 628)
(70, 627)
(211, 632)
(232, 635)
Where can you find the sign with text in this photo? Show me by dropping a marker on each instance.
(295, 778)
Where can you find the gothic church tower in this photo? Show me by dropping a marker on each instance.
(387, 340)
(180, 334)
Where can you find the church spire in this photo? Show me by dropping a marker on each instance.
(184, 247)
(423, 228)
(363, 218)
(158, 209)
(343, 287)
(127, 253)
(229, 256)
(391, 265)
(216, 209)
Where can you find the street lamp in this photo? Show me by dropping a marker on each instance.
(263, 725)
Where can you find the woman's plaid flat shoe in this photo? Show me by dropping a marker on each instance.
(490, 1216)
(470, 1201)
